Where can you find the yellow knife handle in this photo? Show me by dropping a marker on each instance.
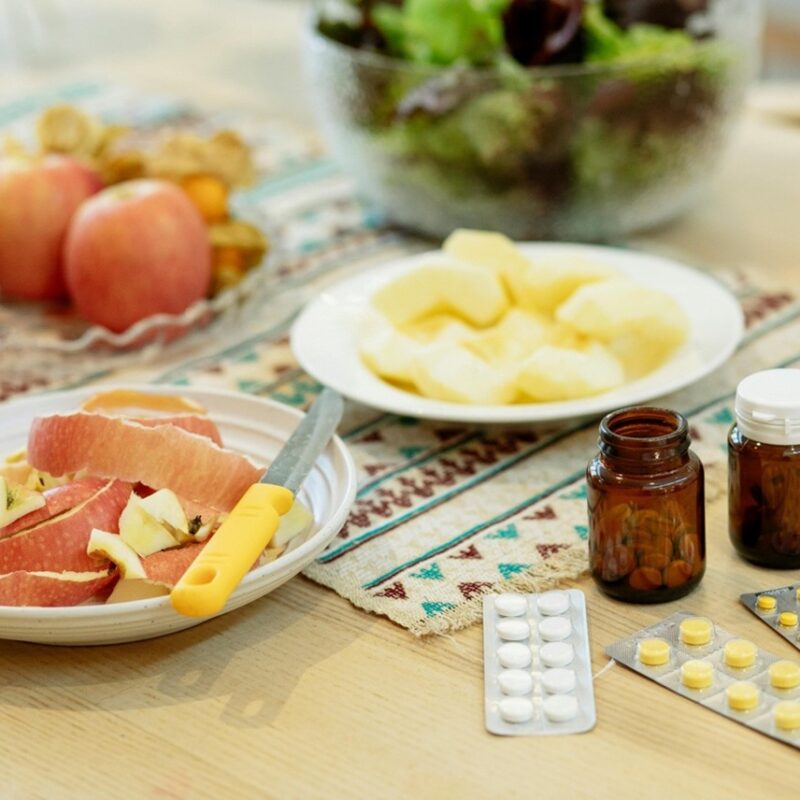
(206, 586)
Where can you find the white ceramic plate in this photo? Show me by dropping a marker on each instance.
(251, 425)
(325, 340)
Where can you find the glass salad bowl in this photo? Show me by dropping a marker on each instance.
(581, 152)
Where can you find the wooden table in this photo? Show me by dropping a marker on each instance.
(300, 695)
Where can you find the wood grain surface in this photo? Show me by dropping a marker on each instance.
(300, 695)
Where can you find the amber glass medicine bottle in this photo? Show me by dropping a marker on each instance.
(764, 469)
(646, 507)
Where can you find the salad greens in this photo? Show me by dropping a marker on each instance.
(560, 152)
(443, 31)
(484, 32)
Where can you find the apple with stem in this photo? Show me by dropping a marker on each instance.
(136, 249)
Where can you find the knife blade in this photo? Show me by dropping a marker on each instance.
(211, 578)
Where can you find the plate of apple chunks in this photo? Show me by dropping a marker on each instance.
(486, 330)
(108, 497)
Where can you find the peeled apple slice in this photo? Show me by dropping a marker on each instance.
(440, 328)
(294, 523)
(614, 308)
(517, 335)
(453, 373)
(16, 501)
(111, 546)
(558, 373)
(547, 283)
(489, 249)
(154, 523)
(472, 292)
(386, 351)
(127, 590)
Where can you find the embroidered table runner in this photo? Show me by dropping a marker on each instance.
(445, 512)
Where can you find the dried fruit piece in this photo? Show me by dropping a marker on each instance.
(125, 166)
(181, 154)
(238, 235)
(66, 129)
(209, 194)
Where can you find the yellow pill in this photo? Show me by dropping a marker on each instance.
(787, 619)
(766, 602)
(697, 674)
(740, 653)
(787, 715)
(797, 594)
(696, 630)
(742, 695)
(653, 652)
(784, 674)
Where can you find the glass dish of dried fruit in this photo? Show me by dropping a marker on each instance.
(119, 241)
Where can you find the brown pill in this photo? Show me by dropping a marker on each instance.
(617, 563)
(689, 548)
(655, 560)
(677, 573)
(645, 578)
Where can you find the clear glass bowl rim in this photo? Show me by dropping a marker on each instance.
(370, 58)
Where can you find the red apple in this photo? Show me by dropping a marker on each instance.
(37, 201)
(136, 249)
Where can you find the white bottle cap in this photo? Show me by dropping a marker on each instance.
(768, 406)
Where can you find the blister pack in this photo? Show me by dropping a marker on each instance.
(779, 608)
(537, 669)
(705, 663)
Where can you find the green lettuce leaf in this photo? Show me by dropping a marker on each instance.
(444, 31)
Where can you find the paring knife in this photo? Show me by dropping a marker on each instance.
(225, 560)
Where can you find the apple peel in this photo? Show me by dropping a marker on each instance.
(162, 456)
(167, 566)
(56, 501)
(59, 544)
(44, 588)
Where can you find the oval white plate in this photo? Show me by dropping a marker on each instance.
(251, 425)
(325, 339)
